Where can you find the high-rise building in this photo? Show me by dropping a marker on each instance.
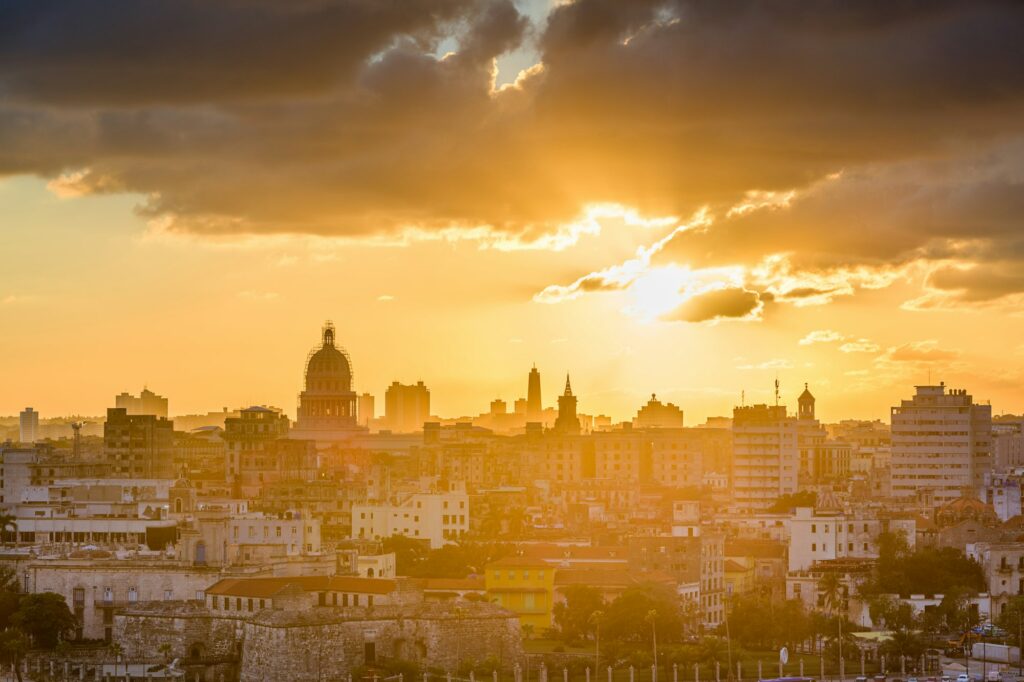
(941, 444)
(406, 407)
(534, 407)
(766, 456)
(365, 409)
(567, 421)
(138, 445)
(658, 415)
(327, 404)
(259, 450)
(28, 421)
(147, 402)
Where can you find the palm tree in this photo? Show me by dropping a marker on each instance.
(8, 521)
(831, 589)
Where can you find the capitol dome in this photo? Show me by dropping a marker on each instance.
(328, 369)
(327, 405)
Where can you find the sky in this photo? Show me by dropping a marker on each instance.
(681, 198)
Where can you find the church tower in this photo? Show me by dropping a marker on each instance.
(567, 421)
(805, 403)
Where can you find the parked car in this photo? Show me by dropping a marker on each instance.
(963, 677)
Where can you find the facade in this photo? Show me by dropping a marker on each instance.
(139, 446)
(147, 402)
(941, 444)
(327, 405)
(524, 586)
(435, 518)
(1003, 565)
(691, 560)
(766, 455)
(1003, 493)
(28, 426)
(406, 407)
(251, 441)
(821, 535)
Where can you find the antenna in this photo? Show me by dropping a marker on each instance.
(776, 390)
(743, 398)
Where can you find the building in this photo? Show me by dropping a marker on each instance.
(251, 441)
(829, 534)
(941, 444)
(1003, 493)
(139, 445)
(766, 455)
(1003, 565)
(658, 415)
(327, 404)
(435, 518)
(534, 407)
(147, 402)
(524, 586)
(365, 409)
(567, 422)
(697, 559)
(406, 407)
(28, 423)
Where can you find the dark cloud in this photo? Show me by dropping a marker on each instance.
(717, 304)
(335, 117)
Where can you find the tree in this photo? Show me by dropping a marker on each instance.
(626, 617)
(832, 593)
(45, 618)
(1011, 618)
(8, 521)
(573, 617)
(13, 647)
(790, 501)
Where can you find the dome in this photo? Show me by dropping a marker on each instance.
(328, 368)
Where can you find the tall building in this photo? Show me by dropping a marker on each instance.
(766, 456)
(327, 405)
(406, 407)
(28, 422)
(534, 407)
(365, 411)
(567, 421)
(259, 450)
(138, 445)
(146, 403)
(658, 415)
(941, 444)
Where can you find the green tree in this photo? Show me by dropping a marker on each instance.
(833, 595)
(1012, 618)
(573, 617)
(13, 647)
(626, 617)
(45, 618)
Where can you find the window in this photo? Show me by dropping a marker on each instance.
(133, 594)
(814, 528)
(108, 594)
(168, 595)
(814, 546)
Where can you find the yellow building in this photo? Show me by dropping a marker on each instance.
(524, 586)
(739, 577)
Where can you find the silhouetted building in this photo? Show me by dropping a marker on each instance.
(406, 407)
(138, 445)
(366, 411)
(534, 407)
(567, 421)
(28, 422)
(327, 406)
(250, 439)
(658, 415)
(146, 403)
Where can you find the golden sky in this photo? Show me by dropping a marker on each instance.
(673, 197)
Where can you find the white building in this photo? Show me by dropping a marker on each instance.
(766, 456)
(436, 517)
(820, 535)
(28, 421)
(1003, 493)
(941, 444)
(295, 533)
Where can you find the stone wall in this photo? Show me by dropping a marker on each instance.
(323, 643)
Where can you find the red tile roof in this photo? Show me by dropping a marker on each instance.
(269, 587)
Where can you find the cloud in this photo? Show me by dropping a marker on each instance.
(259, 296)
(919, 352)
(776, 363)
(821, 336)
(339, 117)
(385, 298)
(860, 346)
(718, 304)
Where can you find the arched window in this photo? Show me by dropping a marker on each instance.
(369, 573)
(177, 505)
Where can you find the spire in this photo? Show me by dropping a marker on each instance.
(568, 387)
(328, 333)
